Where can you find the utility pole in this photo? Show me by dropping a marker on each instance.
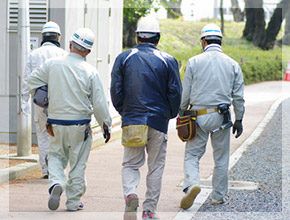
(24, 121)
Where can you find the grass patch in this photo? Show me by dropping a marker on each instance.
(181, 39)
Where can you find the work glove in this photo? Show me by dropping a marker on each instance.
(238, 126)
(25, 108)
(106, 134)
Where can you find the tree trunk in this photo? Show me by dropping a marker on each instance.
(259, 34)
(173, 8)
(286, 37)
(222, 16)
(129, 35)
(237, 12)
(274, 25)
(255, 24)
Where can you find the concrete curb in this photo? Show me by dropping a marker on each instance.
(17, 171)
(24, 168)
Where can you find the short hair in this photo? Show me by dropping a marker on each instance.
(153, 40)
(213, 40)
(50, 36)
(78, 47)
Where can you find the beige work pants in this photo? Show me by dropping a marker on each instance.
(134, 158)
(68, 146)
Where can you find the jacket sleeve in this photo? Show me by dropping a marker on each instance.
(117, 93)
(99, 103)
(25, 92)
(39, 77)
(186, 85)
(174, 88)
(238, 94)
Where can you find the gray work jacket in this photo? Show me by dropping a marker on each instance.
(212, 78)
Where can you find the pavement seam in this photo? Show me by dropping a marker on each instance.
(204, 194)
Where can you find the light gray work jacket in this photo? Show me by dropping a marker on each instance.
(213, 78)
(75, 91)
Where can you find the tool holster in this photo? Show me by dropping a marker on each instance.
(49, 129)
(186, 125)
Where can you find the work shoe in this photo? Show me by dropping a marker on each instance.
(147, 215)
(132, 203)
(217, 202)
(188, 199)
(45, 176)
(54, 197)
(80, 207)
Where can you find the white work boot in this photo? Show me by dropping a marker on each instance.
(188, 199)
(216, 202)
(132, 203)
(54, 197)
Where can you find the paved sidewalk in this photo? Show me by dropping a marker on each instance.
(104, 200)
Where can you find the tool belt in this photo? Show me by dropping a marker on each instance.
(186, 125)
(206, 111)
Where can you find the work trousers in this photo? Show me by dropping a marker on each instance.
(40, 119)
(68, 145)
(195, 149)
(134, 158)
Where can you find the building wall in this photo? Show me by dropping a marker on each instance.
(4, 75)
(70, 15)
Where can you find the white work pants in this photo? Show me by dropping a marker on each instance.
(195, 150)
(134, 158)
(68, 145)
(40, 119)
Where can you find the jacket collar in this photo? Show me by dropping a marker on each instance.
(75, 55)
(47, 43)
(145, 45)
(213, 47)
(52, 42)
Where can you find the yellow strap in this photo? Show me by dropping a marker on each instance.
(206, 111)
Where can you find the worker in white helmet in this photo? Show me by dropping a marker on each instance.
(50, 47)
(146, 91)
(75, 93)
(212, 82)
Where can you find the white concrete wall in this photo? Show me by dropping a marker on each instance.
(4, 75)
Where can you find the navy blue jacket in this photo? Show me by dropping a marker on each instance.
(146, 87)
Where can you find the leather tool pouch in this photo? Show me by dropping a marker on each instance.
(135, 135)
(49, 129)
(186, 125)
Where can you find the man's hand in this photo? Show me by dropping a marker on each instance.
(106, 134)
(238, 126)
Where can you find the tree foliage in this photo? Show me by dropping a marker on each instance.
(173, 8)
(134, 9)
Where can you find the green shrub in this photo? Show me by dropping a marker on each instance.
(181, 39)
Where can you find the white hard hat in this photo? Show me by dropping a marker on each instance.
(211, 30)
(148, 25)
(84, 37)
(51, 27)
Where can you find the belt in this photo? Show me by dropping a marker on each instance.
(206, 111)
